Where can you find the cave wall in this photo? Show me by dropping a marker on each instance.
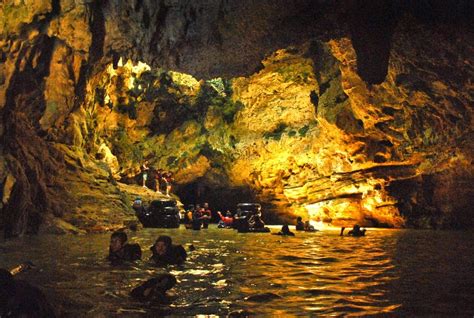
(341, 111)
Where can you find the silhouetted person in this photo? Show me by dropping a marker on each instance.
(241, 224)
(308, 227)
(299, 224)
(20, 299)
(120, 251)
(356, 231)
(256, 222)
(197, 218)
(154, 289)
(165, 253)
(285, 230)
(158, 179)
(342, 231)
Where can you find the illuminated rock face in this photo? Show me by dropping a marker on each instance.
(321, 116)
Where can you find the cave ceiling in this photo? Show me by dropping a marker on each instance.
(338, 111)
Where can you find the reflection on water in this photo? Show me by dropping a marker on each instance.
(388, 272)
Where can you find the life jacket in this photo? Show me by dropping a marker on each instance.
(133, 252)
(128, 253)
(175, 255)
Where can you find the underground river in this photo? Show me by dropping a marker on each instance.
(388, 272)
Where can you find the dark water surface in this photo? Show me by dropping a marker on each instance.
(396, 273)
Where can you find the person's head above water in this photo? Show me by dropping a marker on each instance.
(162, 244)
(285, 229)
(165, 282)
(299, 219)
(154, 288)
(356, 227)
(117, 240)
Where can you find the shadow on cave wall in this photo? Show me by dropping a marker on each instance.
(419, 202)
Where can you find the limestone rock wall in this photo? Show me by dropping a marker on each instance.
(339, 111)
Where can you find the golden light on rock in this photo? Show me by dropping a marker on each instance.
(314, 126)
(301, 138)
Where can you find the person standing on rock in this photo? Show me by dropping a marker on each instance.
(145, 170)
(168, 178)
(158, 177)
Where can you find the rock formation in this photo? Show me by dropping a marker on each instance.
(338, 111)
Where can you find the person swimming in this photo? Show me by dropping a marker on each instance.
(285, 231)
(166, 253)
(155, 288)
(308, 227)
(356, 231)
(120, 251)
(256, 222)
(299, 224)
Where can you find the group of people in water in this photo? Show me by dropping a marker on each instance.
(164, 253)
(300, 226)
(158, 180)
(21, 299)
(304, 226)
(197, 217)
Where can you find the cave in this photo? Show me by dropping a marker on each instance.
(220, 199)
(339, 112)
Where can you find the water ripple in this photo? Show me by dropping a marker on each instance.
(394, 273)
